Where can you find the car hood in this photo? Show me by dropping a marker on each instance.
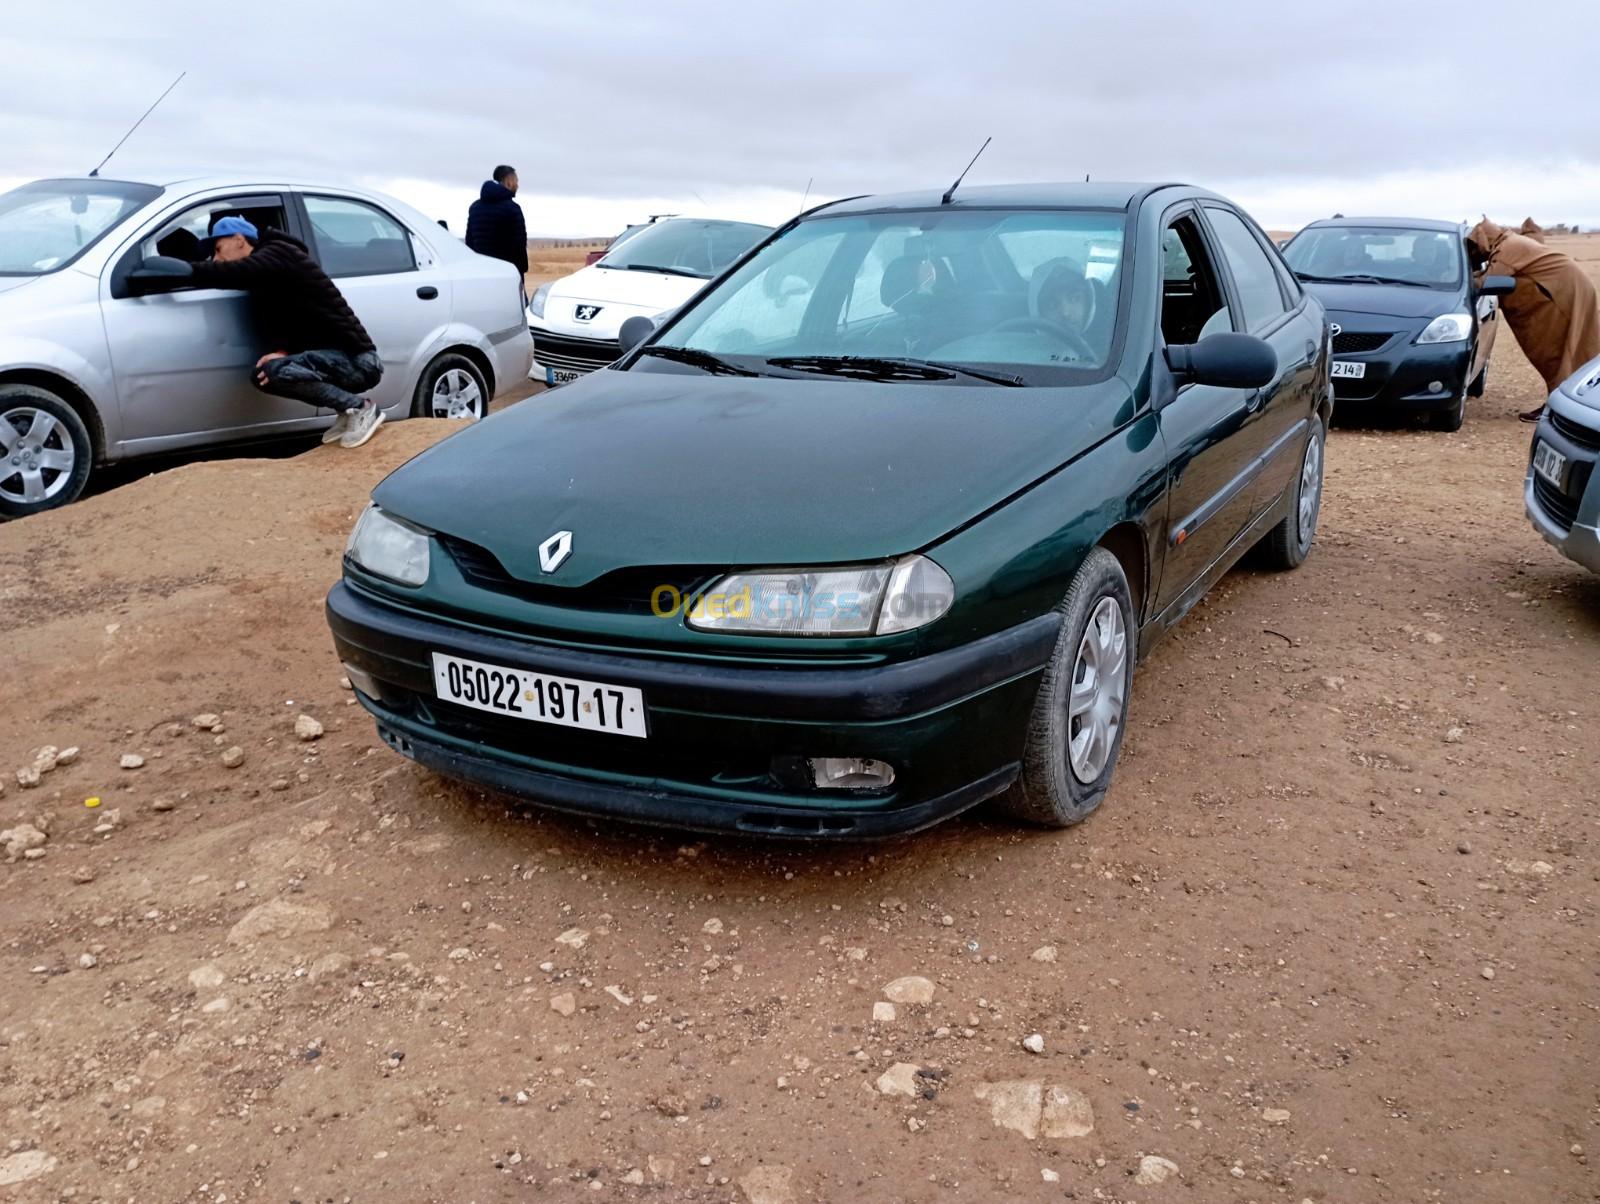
(619, 294)
(1389, 300)
(8, 283)
(657, 468)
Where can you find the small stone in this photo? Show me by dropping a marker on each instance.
(87, 961)
(1237, 1172)
(233, 757)
(620, 996)
(768, 1185)
(1454, 735)
(1275, 1116)
(21, 839)
(1575, 1150)
(207, 977)
(328, 965)
(28, 777)
(131, 761)
(670, 1105)
(915, 1125)
(218, 1005)
(1033, 1043)
(20, 1167)
(576, 938)
(712, 927)
(344, 684)
(67, 756)
(33, 854)
(162, 804)
(634, 1178)
(883, 1013)
(1153, 1170)
(83, 875)
(307, 729)
(460, 954)
(1464, 846)
(47, 758)
(1014, 1104)
(1044, 953)
(1333, 683)
(1433, 637)
(280, 918)
(278, 785)
(899, 1079)
(1488, 972)
(910, 989)
(207, 721)
(1049, 1176)
(565, 1003)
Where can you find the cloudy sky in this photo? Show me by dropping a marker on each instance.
(612, 110)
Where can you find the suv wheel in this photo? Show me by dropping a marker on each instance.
(1075, 733)
(1288, 544)
(45, 452)
(451, 387)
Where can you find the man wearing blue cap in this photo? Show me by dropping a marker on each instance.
(321, 354)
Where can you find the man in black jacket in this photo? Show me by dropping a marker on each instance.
(320, 353)
(494, 221)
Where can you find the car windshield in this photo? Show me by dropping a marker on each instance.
(1025, 297)
(685, 247)
(1431, 258)
(46, 225)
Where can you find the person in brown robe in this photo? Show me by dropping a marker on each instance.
(1531, 229)
(1553, 312)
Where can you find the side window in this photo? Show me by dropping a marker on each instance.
(354, 238)
(1253, 273)
(183, 235)
(1191, 302)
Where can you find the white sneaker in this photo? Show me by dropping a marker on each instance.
(340, 425)
(363, 423)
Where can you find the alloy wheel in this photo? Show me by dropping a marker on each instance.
(457, 395)
(1099, 685)
(1310, 486)
(37, 455)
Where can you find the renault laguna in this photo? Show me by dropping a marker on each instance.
(873, 529)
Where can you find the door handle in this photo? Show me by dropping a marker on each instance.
(427, 292)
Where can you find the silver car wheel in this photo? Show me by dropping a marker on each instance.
(457, 395)
(37, 456)
(1310, 486)
(1099, 684)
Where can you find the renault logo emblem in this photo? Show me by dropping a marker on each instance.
(554, 551)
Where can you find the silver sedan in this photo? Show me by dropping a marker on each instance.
(95, 368)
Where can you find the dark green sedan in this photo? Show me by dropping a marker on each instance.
(871, 530)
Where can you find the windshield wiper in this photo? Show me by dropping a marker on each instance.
(882, 367)
(703, 360)
(1362, 278)
(653, 267)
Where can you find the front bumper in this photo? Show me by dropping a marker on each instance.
(728, 742)
(1400, 375)
(559, 356)
(1568, 518)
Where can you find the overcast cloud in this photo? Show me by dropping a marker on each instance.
(612, 110)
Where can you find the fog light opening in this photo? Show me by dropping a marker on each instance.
(1436, 386)
(850, 773)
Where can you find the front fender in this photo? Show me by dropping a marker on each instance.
(81, 373)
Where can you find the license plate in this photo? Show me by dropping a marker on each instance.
(1354, 369)
(1551, 465)
(560, 376)
(565, 701)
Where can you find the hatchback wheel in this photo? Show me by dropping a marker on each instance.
(45, 453)
(451, 387)
(1288, 544)
(1451, 419)
(1075, 733)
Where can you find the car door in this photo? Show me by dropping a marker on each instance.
(182, 360)
(390, 279)
(1275, 431)
(1209, 473)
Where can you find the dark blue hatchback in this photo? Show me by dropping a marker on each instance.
(1410, 331)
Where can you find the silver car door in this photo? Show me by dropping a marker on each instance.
(397, 290)
(183, 359)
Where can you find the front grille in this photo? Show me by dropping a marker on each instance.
(1561, 509)
(1352, 342)
(627, 591)
(1583, 436)
(572, 352)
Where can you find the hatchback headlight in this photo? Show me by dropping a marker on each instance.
(865, 599)
(389, 548)
(1447, 328)
(536, 302)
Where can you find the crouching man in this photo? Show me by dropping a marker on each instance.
(321, 354)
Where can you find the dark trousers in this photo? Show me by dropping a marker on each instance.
(322, 378)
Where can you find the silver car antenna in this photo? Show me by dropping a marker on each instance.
(951, 191)
(137, 124)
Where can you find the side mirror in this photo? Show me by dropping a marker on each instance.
(634, 331)
(1226, 359)
(1497, 286)
(160, 274)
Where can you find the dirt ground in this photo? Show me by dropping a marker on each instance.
(1330, 939)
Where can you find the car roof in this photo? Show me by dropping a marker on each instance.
(1108, 195)
(1390, 223)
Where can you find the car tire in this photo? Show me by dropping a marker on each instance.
(452, 386)
(1288, 544)
(1451, 419)
(45, 451)
(1479, 383)
(1068, 759)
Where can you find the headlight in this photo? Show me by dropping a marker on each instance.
(859, 600)
(536, 302)
(389, 548)
(1447, 328)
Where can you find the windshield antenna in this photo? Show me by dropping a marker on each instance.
(806, 196)
(137, 124)
(951, 191)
